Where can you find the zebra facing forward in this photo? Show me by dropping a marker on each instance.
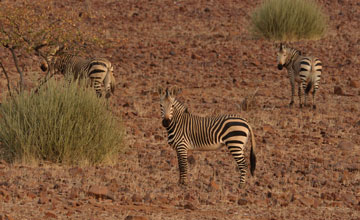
(99, 70)
(305, 70)
(191, 132)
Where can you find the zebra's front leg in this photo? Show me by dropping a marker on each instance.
(292, 83)
(299, 94)
(238, 154)
(183, 166)
(97, 86)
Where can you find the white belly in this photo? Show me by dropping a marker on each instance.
(209, 147)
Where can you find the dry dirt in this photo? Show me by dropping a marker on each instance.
(308, 161)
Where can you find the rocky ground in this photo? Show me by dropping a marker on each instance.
(308, 160)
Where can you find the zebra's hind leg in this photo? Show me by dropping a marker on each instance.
(313, 100)
(183, 166)
(238, 154)
(299, 94)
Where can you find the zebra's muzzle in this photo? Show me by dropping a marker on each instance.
(280, 66)
(166, 122)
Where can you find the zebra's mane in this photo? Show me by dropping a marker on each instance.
(294, 55)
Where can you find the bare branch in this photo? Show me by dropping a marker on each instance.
(18, 68)
(7, 77)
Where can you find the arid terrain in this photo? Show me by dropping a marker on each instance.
(308, 161)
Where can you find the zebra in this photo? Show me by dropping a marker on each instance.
(305, 70)
(99, 70)
(188, 131)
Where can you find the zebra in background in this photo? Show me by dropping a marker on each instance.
(305, 70)
(187, 131)
(99, 70)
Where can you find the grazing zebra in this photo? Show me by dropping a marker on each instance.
(187, 131)
(99, 70)
(305, 70)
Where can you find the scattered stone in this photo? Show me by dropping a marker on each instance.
(268, 128)
(135, 217)
(354, 84)
(100, 192)
(242, 202)
(191, 159)
(189, 206)
(213, 185)
(349, 198)
(74, 193)
(43, 199)
(75, 171)
(49, 214)
(148, 198)
(338, 90)
(31, 195)
(136, 198)
(346, 146)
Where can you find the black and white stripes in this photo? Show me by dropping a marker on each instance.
(98, 70)
(187, 131)
(305, 70)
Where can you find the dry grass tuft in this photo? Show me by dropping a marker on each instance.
(62, 123)
(288, 20)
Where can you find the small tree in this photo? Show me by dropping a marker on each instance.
(35, 27)
(288, 20)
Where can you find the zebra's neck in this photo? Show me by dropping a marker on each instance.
(293, 55)
(178, 112)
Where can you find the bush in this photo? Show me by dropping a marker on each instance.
(288, 20)
(62, 123)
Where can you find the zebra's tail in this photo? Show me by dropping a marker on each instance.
(112, 83)
(252, 153)
(109, 82)
(308, 86)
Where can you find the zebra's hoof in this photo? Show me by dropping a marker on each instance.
(241, 185)
(291, 104)
(301, 105)
(107, 95)
(314, 106)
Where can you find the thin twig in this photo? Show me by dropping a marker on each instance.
(7, 77)
(18, 69)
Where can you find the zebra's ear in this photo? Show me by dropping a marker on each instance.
(175, 91)
(160, 90)
(281, 47)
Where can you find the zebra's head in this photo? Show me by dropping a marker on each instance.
(282, 56)
(167, 101)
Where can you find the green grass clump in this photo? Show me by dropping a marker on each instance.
(62, 123)
(288, 20)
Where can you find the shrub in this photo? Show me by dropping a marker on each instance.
(62, 123)
(288, 20)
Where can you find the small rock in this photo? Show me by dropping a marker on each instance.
(231, 198)
(75, 171)
(214, 185)
(148, 198)
(191, 159)
(242, 202)
(135, 217)
(338, 90)
(354, 84)
(189, 206)
(49, 214)
(31, 195)
(100, 192)
(43, 198)
(136, 198)
(74, 193)
(346, 146)
(349, 198)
